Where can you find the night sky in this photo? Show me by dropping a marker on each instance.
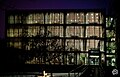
(51, 4)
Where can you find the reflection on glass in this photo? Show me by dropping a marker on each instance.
(60, 58)
(111, 47)
(54, 18)
(74, 31)
(111, 60)
(92, 44)
(74, 45)
(36, 18)
(55, 31)
(110, 33)
(84, 58)
(94, 60)
(54, 45)
(109, 22)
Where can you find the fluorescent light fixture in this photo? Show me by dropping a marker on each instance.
(94, 56)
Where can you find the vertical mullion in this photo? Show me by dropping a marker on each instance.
(64, 35)
(84, 33)
(94, 35)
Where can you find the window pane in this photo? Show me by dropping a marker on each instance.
(35, 30)
(75, 18)
(110, 33)
(54, 44)
(55, 31)
(36, 18)
(94, 31)
(84, 58)
(111, 47)
(111, 60)
(18, 19)
(73, 45)
(17, 45)
(20, 32)
(74, 31)
(10, 32)
(109, 22)
(11, 19)
(92, 44)
(15, 32)
(52, 18)
(92, 17)
(101, 46)
(89, 31)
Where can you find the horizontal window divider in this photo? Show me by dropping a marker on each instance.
(56, 24)
(110, 54)
(74, 38)
(36, 24)
(84, 24)
(110, 28)
(84, 38)
(36, 37)
(66, 51)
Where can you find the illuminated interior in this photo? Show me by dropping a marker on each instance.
(36, 31)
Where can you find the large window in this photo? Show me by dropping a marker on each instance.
(57, 37)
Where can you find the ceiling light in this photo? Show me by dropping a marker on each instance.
(92, 14)
(96, 13)
(111, 19)
(67, 14)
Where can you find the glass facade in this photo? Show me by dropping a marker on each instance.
(61, 38)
